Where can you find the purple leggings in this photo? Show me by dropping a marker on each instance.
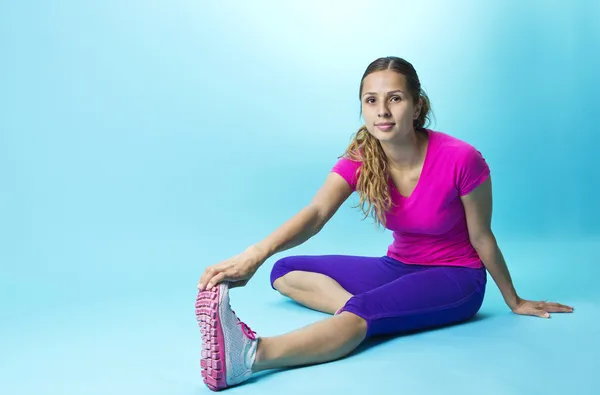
(394, 297)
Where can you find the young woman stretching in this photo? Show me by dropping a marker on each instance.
(431, 189)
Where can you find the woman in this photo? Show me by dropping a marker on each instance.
(432, 190)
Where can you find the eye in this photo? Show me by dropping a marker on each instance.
(369, 100)
(396, 97)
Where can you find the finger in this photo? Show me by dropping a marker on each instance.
(215, 280)
(202, 280)
(542, 313)
(535, 312)
(558, 308)
(560, 305)
(213, 270)
(209, 273)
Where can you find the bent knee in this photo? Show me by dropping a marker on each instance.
(279, 272)
(288, 282)
(280, 285)
(292, 273)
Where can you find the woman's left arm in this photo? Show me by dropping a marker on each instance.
(478, 211)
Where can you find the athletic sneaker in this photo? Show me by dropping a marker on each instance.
(228, 344)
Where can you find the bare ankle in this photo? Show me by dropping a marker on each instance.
(259, 357)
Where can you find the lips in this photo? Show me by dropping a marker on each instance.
(385, 125)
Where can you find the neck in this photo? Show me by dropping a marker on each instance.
(407, 153)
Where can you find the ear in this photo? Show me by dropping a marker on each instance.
(418, 107)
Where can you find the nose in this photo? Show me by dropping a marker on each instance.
(383, 112)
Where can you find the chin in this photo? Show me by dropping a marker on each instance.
(383, 136)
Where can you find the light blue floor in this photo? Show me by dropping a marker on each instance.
(109, 340)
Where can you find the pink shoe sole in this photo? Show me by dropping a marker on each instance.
(213, 347)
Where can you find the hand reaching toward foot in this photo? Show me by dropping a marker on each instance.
(237, 270)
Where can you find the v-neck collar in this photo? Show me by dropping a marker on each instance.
(424, 169)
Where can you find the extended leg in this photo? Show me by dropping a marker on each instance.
(323, 341)
(231, 352)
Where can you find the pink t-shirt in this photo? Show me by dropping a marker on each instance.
(429, 227)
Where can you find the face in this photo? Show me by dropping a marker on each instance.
(387, 107)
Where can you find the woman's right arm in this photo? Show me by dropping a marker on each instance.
(310, 220)
(301, 227)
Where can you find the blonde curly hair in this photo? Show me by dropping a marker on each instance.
(372, 185)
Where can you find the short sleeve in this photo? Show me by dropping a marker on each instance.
(472, 170)
(349, 170)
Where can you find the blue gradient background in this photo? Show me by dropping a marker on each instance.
(142, 141)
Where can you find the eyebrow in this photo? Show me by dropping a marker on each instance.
(389, 93)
